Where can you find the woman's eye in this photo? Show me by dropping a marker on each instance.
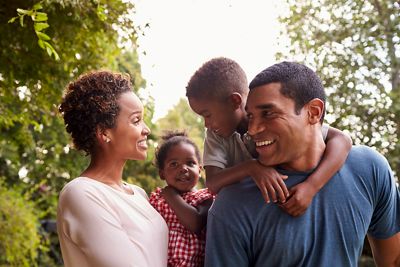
(136, 121)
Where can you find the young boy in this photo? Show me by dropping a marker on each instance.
(217, 91)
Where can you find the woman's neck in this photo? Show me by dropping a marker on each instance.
(105, 170)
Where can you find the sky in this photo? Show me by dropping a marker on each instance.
(183, 34)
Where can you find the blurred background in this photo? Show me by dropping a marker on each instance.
(353, 45)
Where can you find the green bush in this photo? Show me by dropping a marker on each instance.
(19, 239)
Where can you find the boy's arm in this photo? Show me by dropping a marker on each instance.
(193, 218)
(268, 180)
(338, 146)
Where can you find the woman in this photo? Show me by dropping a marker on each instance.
(101, 220)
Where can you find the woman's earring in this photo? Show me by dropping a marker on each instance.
(108, 140)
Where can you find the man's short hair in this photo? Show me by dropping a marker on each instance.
(298, 82)
(218, 78)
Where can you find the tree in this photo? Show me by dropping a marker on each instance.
(181, 117)
(45, 45)
(355, 48)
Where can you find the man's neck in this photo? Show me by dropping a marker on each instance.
(309, 158)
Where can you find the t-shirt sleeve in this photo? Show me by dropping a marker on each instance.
(215, 153)
(385, 220)
(92, 225)
(324, 130)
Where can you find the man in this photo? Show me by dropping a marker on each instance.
(286, 107)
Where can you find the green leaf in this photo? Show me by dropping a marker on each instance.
(39, 26)
(12, 19)
(42, 36)
(100, 13)
(40, 16)
(37, 6)
(41, 44)
(24, 12)
(21, 21)
(50, 50)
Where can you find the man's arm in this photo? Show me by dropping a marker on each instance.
(386, 252)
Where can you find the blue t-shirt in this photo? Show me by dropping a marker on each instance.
(243, 230)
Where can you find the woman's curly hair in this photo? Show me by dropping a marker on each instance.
(171, 139)
(90, 103)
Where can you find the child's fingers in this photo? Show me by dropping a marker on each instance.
(278, 191)
(263, 191)
(265, 194)
(283, 187)
(271, 191)
(284, 177)
(292, 208)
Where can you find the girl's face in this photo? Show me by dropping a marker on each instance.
(181, 167)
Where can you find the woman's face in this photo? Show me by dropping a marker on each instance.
(129, 136)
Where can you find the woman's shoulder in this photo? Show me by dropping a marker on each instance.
(80, 187)
(138, 189)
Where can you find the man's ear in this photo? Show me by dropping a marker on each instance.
(236, 100)
(315, 109)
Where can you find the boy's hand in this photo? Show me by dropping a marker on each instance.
(300, 198)
(270, 182)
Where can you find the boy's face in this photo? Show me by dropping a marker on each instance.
(279, 133)
(220, 117)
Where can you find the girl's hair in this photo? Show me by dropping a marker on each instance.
(171, 139)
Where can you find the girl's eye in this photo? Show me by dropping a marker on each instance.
(191, 163)
(173, 164)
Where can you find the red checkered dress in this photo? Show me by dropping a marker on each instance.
(185, 248)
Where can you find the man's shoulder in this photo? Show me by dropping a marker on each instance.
(366, 154)
(239, 194)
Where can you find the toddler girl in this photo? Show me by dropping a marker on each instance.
(183, 207)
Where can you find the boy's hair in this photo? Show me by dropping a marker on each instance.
(90, 103)
(171, 139)
(218, 78)
(298, 82)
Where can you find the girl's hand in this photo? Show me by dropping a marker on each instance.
(270, 182)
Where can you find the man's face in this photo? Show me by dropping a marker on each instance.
(279, 133)
(220, 117)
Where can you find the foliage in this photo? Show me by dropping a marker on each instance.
(19, 239)
(39, 20)
(181, 117)
(35, 151)
(355, 48)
